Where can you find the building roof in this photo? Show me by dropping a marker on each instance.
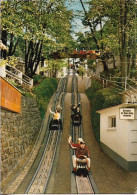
(126, 105)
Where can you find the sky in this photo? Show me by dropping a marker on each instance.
(76, 23)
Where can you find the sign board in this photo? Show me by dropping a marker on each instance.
(127, 113)
(10, 97)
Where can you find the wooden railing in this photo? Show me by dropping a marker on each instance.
(8, 71)
(10, 97)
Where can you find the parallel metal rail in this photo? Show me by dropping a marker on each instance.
(36, 178)
(83, 184)
(40, 179)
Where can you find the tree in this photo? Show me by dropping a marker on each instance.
(112, 28)
(11, 25)
(92, 22)
(33, 24)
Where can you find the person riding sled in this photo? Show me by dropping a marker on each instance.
(82, 153)
(56, 116)
(76, 111)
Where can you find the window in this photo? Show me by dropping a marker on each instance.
(112, 121)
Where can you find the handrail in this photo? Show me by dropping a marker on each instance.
(13, 67)
(26, 76)
(16, 75)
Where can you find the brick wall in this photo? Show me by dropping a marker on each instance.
(18, 132)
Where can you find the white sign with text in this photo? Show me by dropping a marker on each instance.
(127, 113)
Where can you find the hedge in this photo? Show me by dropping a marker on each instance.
(44, 91)
(100, 98)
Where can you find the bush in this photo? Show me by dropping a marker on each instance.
(81, 70)
(37, 79)
(133, 73)
(44, 92)
(94, 87)
(97, 100)
(100, 99)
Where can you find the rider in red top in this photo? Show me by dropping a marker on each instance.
(81, 150)
(76, 145)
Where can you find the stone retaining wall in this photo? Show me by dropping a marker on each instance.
(18, 132)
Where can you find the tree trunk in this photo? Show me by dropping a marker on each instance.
(4, 35)
(123, 23)
(94, 37)
(105, 65)
(133, 59)
(38, 58)
(14, 48)
(124, 66)
(27, 53)
(92, 31)
(128, 64)
(11, 45)
(114, 62)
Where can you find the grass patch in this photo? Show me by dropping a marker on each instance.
(44, 91)
(101, 98)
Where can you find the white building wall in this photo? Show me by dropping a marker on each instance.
(2, 71)
(132, 139)
(122, 139)
(115, 138)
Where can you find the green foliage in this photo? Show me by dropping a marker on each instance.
(25, 91)
(94, 87)
(37, 79)
(81, 70)
(100, 98)
(27, 94)
(35, 28)
(97, 101)
(91, 64)
(133, 73)
(111, 97)
(112, 30)
(44, 92)
(3, 62)
(85, 41)
(12, 60)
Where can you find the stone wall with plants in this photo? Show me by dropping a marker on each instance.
(18, 133)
